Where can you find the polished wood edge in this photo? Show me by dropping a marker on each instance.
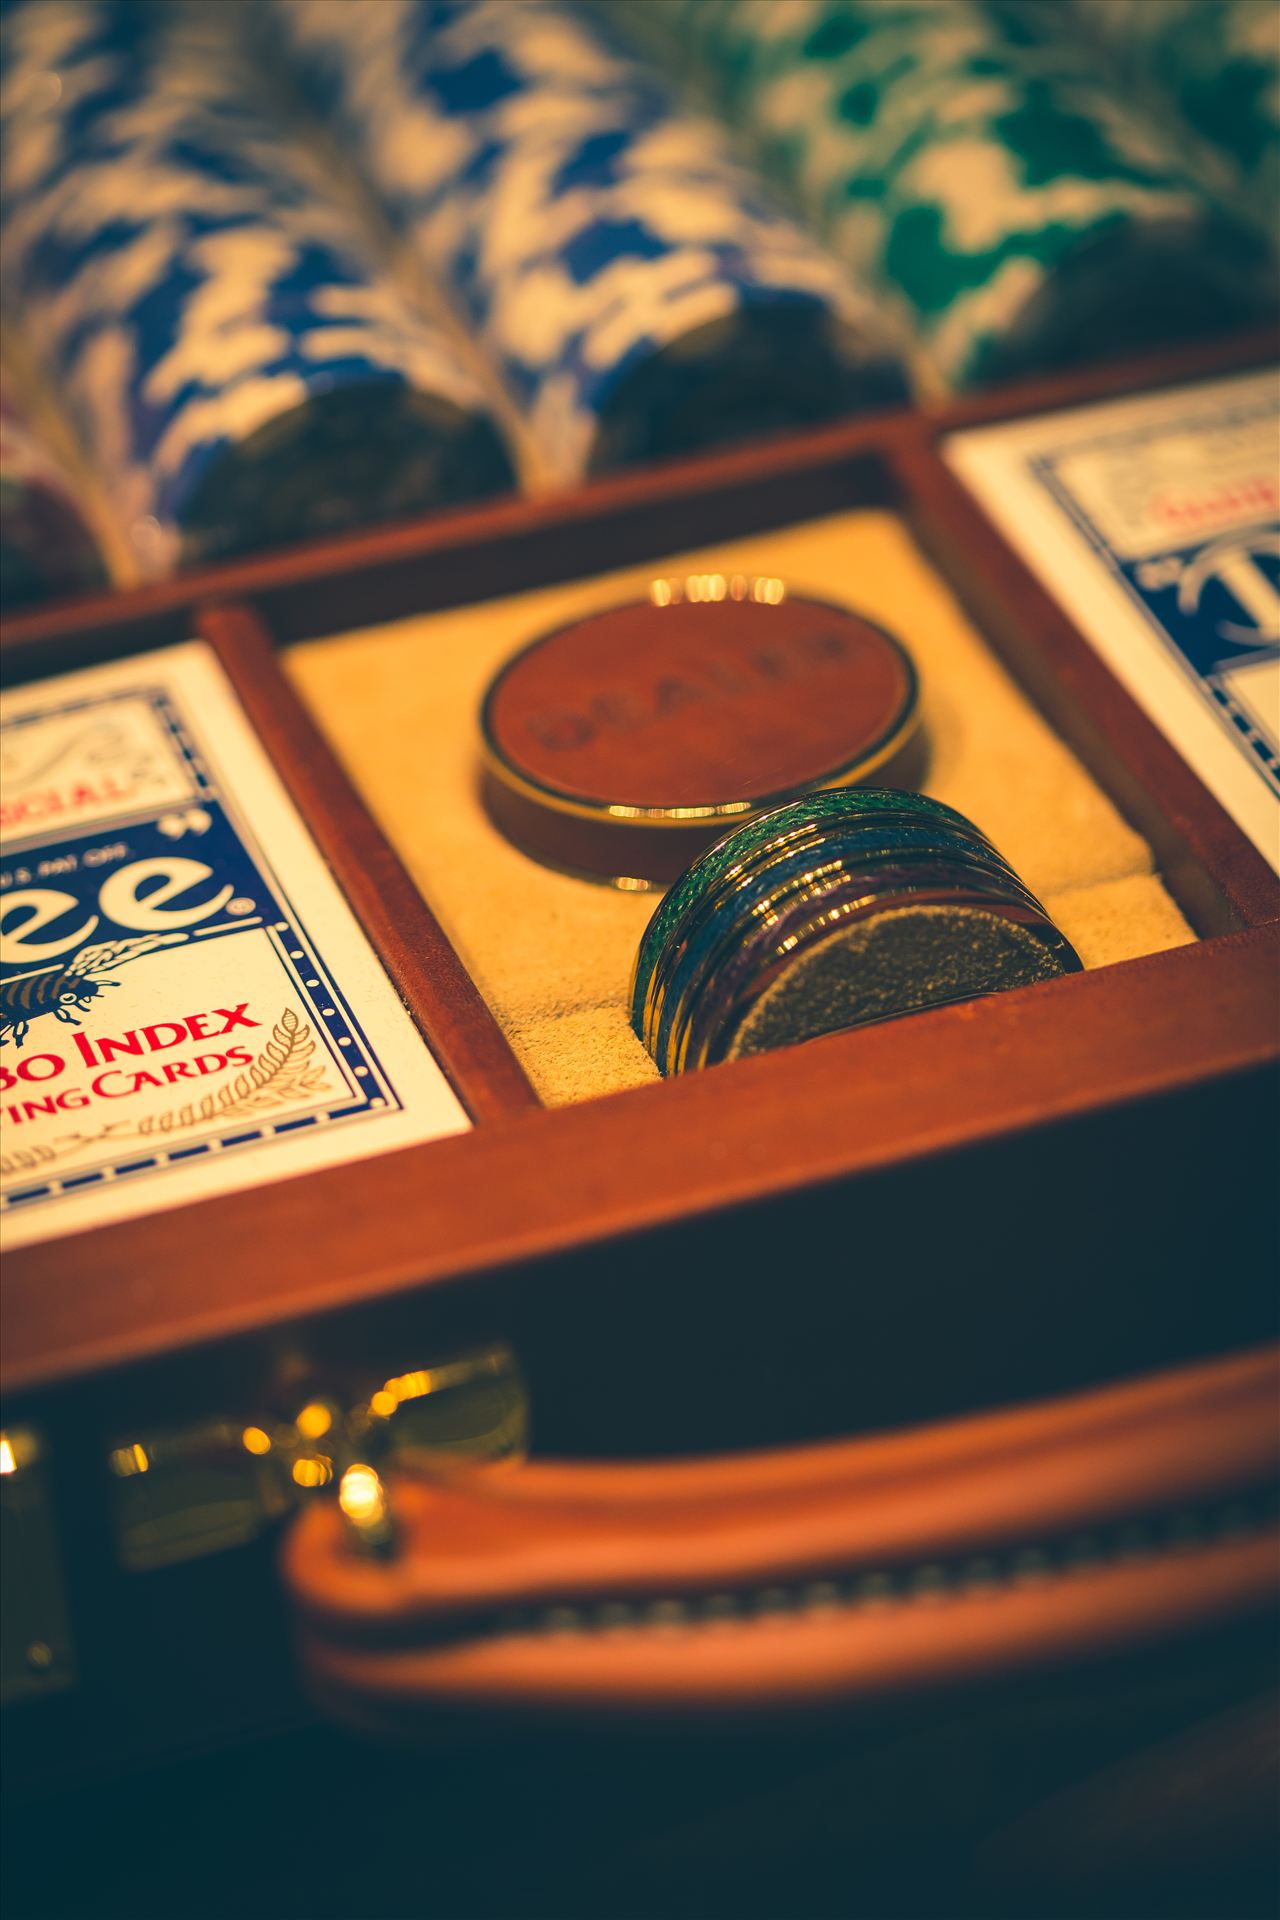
(534, 1183)
(312, 570)
(540, 1184)
(1112, 379)
(1191, 834)
(102, 621)
(427, 974)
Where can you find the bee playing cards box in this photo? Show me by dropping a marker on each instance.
(187, 1003)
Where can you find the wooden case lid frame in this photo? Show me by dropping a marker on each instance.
(521, 1219)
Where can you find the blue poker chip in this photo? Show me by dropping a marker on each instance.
(240, 365)
(637, 290)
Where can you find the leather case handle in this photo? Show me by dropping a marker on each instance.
(813, 1576)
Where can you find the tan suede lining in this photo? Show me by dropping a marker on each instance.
(553, 955)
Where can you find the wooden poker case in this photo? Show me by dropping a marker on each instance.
(989, 1202)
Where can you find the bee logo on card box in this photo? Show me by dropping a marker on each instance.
(67, 991)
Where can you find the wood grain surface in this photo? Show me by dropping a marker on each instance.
(475, 1207)
(1180, 1033)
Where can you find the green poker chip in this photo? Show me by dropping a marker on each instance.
(851, 905)
(728, 857)
(800, 867)
(1012, 203)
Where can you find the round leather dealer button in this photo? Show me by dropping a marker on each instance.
(618, 747)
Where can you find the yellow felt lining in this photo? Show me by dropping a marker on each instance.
(552, 955)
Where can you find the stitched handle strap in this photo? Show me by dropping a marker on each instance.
(813, 1575)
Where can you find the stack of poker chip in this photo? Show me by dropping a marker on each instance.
(1017, 212)
(847, 907)
(1215, 66)
(637, 289)
(46, 546)
(239, 365)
